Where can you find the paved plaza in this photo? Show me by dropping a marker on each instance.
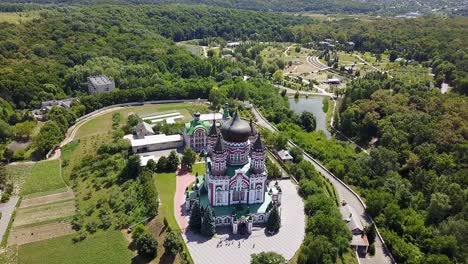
(226, 248)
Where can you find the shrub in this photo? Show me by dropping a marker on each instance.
(77, 222)
(5, 197)
(79, 237)
(172, 243)
(138, 230)
(372, 249)
(91, 227)
(147, 246)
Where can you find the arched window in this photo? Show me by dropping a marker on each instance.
(219, 195)
(258, 193)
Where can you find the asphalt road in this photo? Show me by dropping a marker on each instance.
(344, 193)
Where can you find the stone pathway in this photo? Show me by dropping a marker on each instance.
(7, 210)
(182, 181)
(227, 248)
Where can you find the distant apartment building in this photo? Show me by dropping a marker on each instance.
(100, 84)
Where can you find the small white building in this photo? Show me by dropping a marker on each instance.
(285, 156)
(333, 81)
(359, 240)
(100, 84)
(144, 139)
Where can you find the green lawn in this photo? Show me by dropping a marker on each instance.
(102, 247)
(166, 186)
(198, 167)
(45, 177)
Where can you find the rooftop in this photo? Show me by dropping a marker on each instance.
(99, 80)
(284, 155)
(153, 139)
(351, 217)
(211, 116)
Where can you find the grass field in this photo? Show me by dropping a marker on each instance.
(18, 174)
(103, 123)
(19, 17)
(102, 247)
(166, 186)
(45, 177)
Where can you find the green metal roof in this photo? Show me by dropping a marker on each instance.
(246, 208)
(190, 127)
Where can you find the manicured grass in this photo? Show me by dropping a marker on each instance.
(166, 186)
(45, 177)
(102, 247)
(198, 168)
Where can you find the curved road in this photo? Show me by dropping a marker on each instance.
(344, 193)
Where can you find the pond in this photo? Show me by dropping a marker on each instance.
(313, 104)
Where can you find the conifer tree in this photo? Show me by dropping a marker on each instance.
(274, 221)
(195, 218)
(208, 227)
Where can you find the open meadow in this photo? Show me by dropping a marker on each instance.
(102, 247)
(18, 17)
(45, 177)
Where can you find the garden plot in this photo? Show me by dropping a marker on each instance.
(44, 213)
(25, 235)
(43, 217)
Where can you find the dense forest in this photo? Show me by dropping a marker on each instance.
(390, 7)
(413, 181)
(333, 6)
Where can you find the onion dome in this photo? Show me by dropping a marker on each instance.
(213, 130)
(258, 145)
(235, 129)
(253, 131)
(197, 116)
(218, 149)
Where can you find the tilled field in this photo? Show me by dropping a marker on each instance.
(43, 218)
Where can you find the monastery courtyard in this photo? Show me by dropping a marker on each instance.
(227, 248)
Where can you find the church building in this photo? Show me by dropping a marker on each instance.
(235, 181)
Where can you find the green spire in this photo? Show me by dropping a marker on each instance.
(226, 114)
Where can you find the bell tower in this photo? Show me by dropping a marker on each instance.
(258, 156)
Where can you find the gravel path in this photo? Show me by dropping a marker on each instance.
(7, 210)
